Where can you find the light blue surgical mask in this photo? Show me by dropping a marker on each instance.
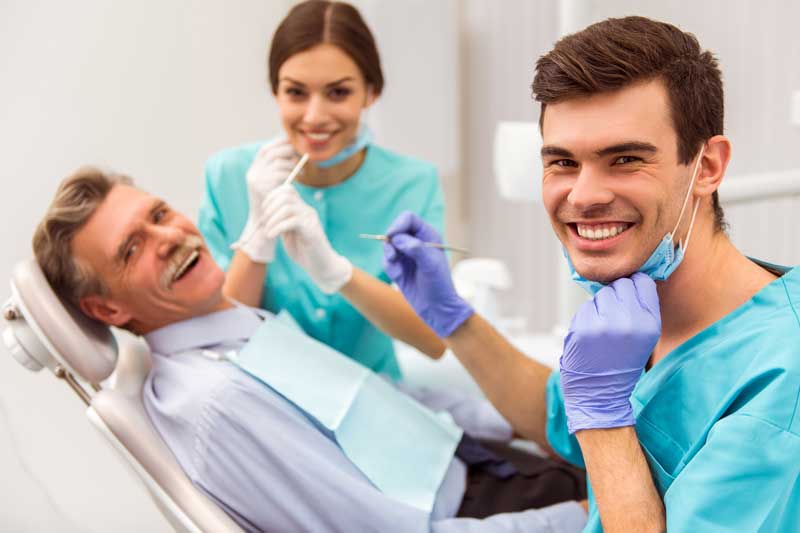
(362, 139)
(665, 258)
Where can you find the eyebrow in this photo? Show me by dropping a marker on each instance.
(331, 84)
(555, 150)
(629, 146)
(119, 257)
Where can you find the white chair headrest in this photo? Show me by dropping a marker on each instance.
(84, 346)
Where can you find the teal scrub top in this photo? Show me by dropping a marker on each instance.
(367, 202)
(718, 420)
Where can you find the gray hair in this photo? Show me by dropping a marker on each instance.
(75, 201)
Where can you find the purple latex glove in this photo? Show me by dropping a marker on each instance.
(423, 274)
(609, 342)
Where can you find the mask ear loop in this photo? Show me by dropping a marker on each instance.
(686, 201)
(685, 245)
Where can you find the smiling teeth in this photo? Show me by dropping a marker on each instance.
(188, 261)
(598, 232)
(319, 136)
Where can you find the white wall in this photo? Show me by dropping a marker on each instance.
(503, 40)
(419, 112)
(758, 49)
(152, 88)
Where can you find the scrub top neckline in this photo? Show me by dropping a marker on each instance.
(772, 293)
(355, 177)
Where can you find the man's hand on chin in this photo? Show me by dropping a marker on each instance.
(605, 352)
(608, 344)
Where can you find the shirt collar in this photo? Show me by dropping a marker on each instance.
(237, 323)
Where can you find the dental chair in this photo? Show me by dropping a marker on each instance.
(44, 332)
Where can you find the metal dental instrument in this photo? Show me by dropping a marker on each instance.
(428, 244)
(296, 170)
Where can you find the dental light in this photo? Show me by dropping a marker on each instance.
(517, 163)
(518, 175)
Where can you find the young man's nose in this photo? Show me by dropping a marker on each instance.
(589, 190)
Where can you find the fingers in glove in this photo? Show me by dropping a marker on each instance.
(389, 253)
(406, 222)
(271, 167)
(393, 264)
(281, 226)
(428, 259)
(276, 217)
(285, 194)
(411, 224)
(406, 244)
(281, 149)
(625, 292)
(647, 294)
(605, 302)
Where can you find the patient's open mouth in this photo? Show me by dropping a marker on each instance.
(186, 265)
(182, 261)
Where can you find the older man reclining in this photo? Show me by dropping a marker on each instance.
(127, 259)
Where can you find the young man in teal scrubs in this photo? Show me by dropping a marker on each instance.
(679, 383)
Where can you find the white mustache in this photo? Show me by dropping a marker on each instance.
(178, 256)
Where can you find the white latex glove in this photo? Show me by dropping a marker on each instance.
(305, 241)
(272, 165)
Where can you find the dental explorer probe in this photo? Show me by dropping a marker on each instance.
(424, 243)
(296, 170)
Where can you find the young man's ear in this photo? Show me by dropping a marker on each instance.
(103, 310)
(715, 161)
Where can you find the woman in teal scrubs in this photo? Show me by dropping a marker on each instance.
(324, 72)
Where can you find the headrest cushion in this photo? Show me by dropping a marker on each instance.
(87, 347)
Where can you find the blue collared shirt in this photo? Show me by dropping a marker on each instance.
(270, 468)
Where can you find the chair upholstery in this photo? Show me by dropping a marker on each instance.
(123, 413)
(52, 334)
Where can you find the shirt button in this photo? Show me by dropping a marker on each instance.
(320, 313)
(318, 196)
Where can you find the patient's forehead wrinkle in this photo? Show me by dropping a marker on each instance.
(134, 225)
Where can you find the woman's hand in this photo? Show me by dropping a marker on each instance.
(287, 215)
(272, 165)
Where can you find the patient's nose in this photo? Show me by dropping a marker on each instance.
(167, 239)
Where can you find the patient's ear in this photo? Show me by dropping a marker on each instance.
(715, 161)
(104, 310)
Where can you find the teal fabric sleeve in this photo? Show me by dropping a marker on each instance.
(558, 436)
(745, 478)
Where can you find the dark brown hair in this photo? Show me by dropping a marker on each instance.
(616, 53)
(75, 201)
(320, 21)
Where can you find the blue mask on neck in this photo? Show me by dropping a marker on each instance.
(659, 266)
(362, 139)
(665, 258)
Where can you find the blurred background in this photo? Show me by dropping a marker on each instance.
(152, 88)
